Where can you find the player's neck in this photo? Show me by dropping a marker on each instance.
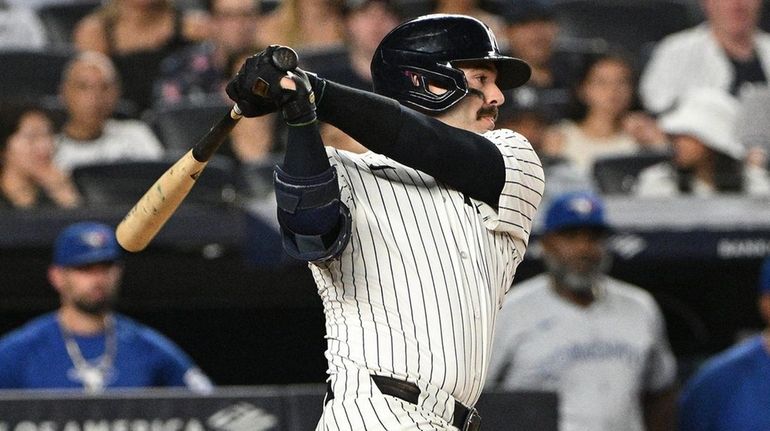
(78, 322)
(581, 298)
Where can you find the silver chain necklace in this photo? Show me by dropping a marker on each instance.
(92, 376)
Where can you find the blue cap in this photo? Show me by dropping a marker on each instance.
(764, 277)
(575, 210)
(86, 243)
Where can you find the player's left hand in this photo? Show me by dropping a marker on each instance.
(255, 86)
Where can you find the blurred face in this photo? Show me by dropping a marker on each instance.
(368, 25)
(32, 144)
(689, 152)
(575, 257)
(533, 41)
(477, 111)
(733, 17)
(235, 23)
(608, 87)
(91, 289)
(90, 92)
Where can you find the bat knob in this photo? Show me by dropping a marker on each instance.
(285, 58)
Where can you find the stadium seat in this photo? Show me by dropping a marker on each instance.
(31, 74)
(626, 23)
(123, 183)
(618, 174)
(60, 19)
(180, 126)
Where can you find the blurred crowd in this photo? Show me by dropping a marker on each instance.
(122, 80)
(618, 104)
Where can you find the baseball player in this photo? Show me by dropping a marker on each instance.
(414, 243)
(598, 342)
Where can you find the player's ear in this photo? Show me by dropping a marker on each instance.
(56, 277)
(763, 302)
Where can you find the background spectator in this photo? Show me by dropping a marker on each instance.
(197, 72)
(20, 27)
(365, 23)
(90, 91)
(730, 391)
(531, 33)
(728, 51)
(472, 8)
(598, 342)
(85, 344)
(302, 24)
(707, 156)
(137, 35)
(28, 176)
(602, 98)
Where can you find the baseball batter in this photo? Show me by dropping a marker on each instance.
(414, 243)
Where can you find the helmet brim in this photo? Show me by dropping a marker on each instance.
(511, 72)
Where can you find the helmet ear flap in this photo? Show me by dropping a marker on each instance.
(418, 81)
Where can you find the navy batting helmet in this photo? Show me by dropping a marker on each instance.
(425, 50)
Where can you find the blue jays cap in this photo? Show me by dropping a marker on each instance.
(575, 210)
(86, 243)
(764, 277)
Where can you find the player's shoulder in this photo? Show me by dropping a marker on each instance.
(533, 289)
(725, 367)
(142, 335)
(629, 294)
(508, 138)
(33, 333)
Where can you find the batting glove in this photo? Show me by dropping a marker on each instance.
(255, 86)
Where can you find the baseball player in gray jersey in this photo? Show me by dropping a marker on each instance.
(414, 243)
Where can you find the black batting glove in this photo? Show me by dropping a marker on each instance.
(255, 87)
(298, 105)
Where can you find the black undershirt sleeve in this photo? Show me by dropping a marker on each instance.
(464, 160)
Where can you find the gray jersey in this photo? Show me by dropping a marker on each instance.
(415, 293)
(600, 359)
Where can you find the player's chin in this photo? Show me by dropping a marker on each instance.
(486, 123)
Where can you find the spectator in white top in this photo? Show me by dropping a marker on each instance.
(90, 90)
(728, 52)
(21, 28)
(598, 342)
(707, 157)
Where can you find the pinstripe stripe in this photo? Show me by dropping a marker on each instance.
(415, 293)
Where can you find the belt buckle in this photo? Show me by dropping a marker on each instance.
(472, 421)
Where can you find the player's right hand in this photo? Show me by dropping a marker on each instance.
(251, 86)
(298, 103)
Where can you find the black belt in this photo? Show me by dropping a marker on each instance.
(464, 418)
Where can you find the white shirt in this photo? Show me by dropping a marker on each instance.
(583, 150)
(599, 359)
(415, 293)
(690, 59)
(21, 28)
(660, 181)
(120, 140)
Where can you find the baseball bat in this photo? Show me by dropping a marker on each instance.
(159, 202)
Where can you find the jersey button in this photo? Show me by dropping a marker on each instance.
(463, 255)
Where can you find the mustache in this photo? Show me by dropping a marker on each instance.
(487, 111)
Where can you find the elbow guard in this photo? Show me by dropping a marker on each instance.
(315, 225)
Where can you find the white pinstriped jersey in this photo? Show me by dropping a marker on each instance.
(415, 293)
